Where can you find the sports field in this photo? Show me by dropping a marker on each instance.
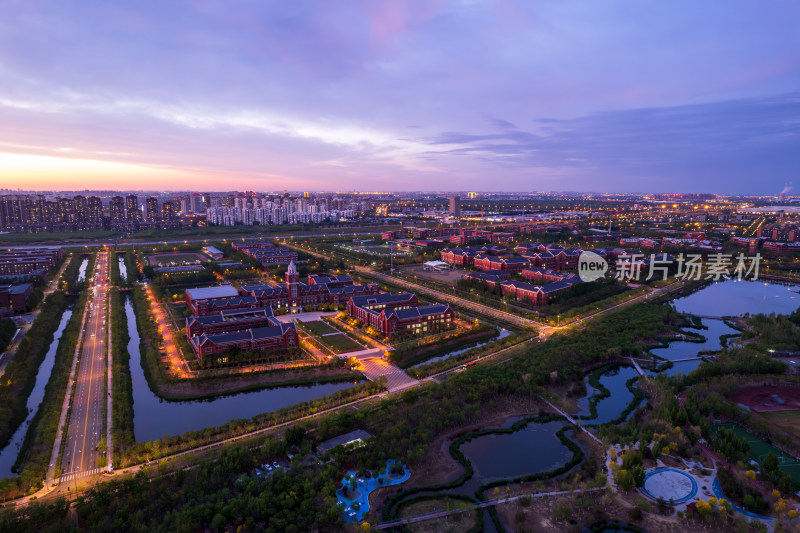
(179, 258)
(759, 449)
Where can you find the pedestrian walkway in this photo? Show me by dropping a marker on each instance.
(479, 505)
(638, 368)
(396, 379)
(361, 354)
(572, 421)
(78, 475)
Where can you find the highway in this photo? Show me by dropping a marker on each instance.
(86, 417)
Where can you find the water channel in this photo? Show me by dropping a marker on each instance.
(503, 334)
(123, 269)
(82, 270)
(8, 455)
(155, 417)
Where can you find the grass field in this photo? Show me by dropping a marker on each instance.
(318, 327)
(789, 421)
(341, 343)
(177, 258)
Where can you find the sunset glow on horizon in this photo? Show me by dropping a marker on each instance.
(417, 95)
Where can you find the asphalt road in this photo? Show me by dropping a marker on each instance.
(86, 418)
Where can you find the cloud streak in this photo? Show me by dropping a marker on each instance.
(412, 95)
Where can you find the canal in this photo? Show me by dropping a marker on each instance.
(82, 269)
(123, 268)
(502, 335)
(155, 417)
(8, 455)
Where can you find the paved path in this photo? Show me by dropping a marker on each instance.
(637, 367)
(481, 505)
(360, 354)
(572, 421)
(396, 379)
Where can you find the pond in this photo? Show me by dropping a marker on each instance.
(682, 349)
(735, 298)
(8, 455)
(610, 407)
(82, 270)
(531, 450)
(155, 417)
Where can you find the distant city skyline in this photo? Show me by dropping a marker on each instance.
(617, 96)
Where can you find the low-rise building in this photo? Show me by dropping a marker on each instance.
(490, 277)
(271, 339)
(34, 262)
(198, 299)
(229, 321)
(14, 298)
(512, 265)
(533, 294)
(213, 252)
(547, 275)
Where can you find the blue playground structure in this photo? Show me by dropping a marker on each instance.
(355, 501)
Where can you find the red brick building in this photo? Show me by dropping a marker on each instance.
(395, 314)
(271, 339)
(546, 275)
(533, 294)
(229, 321)
(14, 298)
(392, 235)
(360, 307)
(512, 265)
(491, 278)
(28, 261)
(501, 238)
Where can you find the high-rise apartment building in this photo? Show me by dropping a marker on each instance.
(132, 212)
(151, 209)
(455, 206)
(117, 210)
(197, 204)
(94, 211)
(168, 211)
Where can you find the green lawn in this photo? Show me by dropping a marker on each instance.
(318, 327)
(341, 343)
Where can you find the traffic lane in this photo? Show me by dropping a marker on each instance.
(84, 434)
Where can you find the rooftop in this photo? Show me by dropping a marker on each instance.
(204, 293)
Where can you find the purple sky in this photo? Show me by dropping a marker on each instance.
(386, 95)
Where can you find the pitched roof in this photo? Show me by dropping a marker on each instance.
(385, 298)
(417, 312)
(237, 300)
